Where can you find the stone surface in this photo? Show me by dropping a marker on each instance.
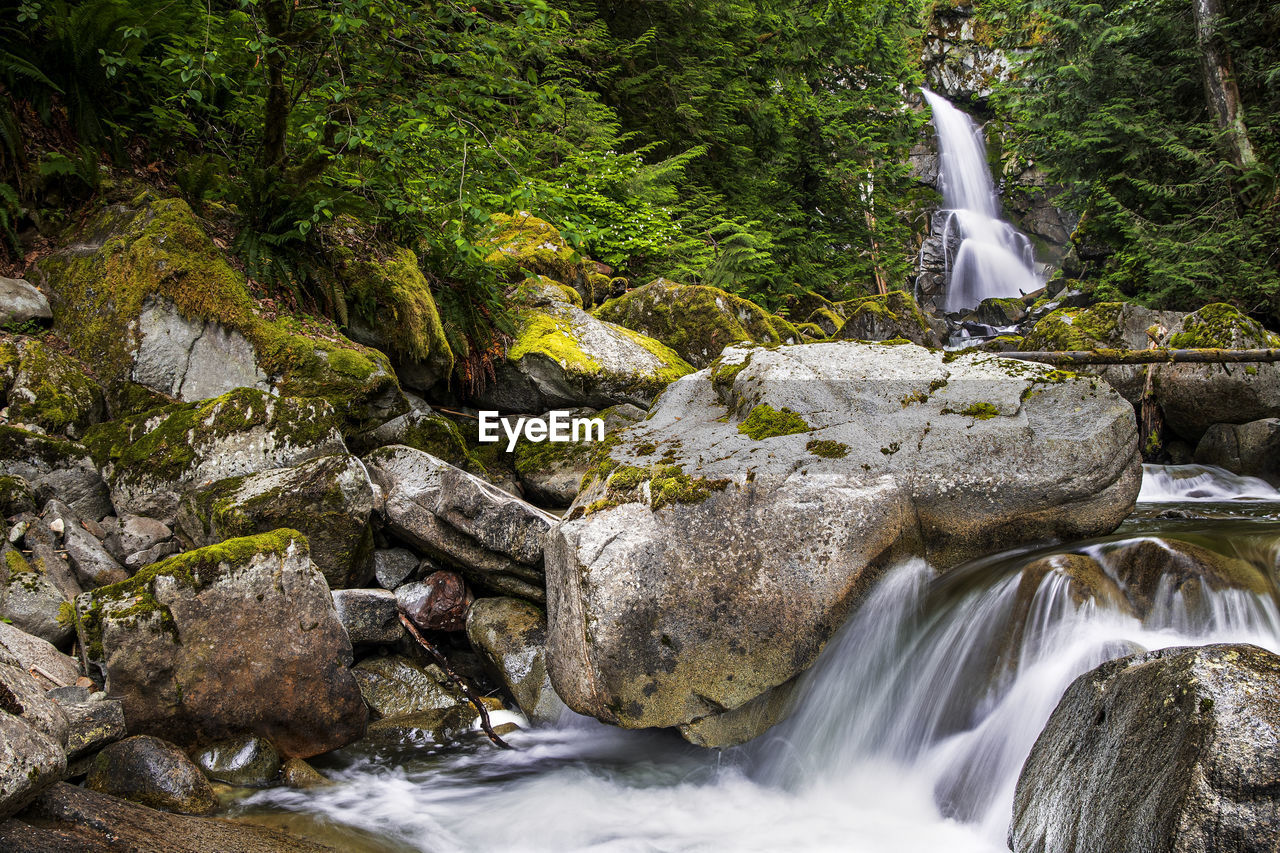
(30, 761)
(551, 472)
(438, 602)
(152, 460)
(392, 567)
(92, 563)
(49, 389)
(512, 635)
(91, 724)
(152, 772)
(245, 762)
(296, 773)
(493, 538)
(894, 316)
(53, 467)
(725, 538)
(257, 612)
(67, 819)
(1164, 752)
(329, 500)
(369, 615)
(31, 652)
(29, 599)
(21, 301)
(394, 685)
(22, 694)
(192, 359)
(136, 533)
(1252, 448)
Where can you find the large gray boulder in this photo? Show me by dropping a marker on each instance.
(329, 500)
(725, 538)
(21, 302)
(1252, 448)
(151, 460)
(551, 472)
(1172, 751)
(241, 637)
(493, 538)
(29, 598)
(33, 736)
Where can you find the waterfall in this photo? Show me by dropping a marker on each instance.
(1180, 483)
(985, 256)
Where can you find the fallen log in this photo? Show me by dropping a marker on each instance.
(1069, 358)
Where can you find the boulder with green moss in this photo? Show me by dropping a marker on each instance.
(1196, 396)
(151, 460)
(563, 357)
(719, 543)
(522, 245)
(49, 390)
(237, 638)
(50, 466)
(329, 500)
(696, 321)
(146, 297)
(29, 599)
(425, 430)
(827, 320)
(1000, 312)
(892, 316)
(493, 538)
(551, 472)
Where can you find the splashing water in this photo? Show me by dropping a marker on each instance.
(1163, 483)
(908, 735)
(991, 258)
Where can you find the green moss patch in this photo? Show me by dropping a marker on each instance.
(764, 421)
(1069, 329)
(828, 449)
(667, 485)
(1221, 326)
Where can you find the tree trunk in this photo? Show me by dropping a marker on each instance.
(1220, 83)
(276, 14)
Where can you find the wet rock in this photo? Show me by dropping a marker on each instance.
(296, 773)
(392, 567)
(329, 500)
(1194, 397)
(421, 728)
(1000, 312)
(1173, 750)
(66, 818)
(30, 761)
(369, 615)
(894, 316)
(152, 460)
(1154, 571)
(21, 301)
(512, 636)
(696, 321)
(660, 587)
(493, 538)
(245, 762)
(29, 600)
(1252, 449)
(254, 610)
(439, 602)
(152, 772)
(53, 467)
(732, 728)
(394, 686)
(551, 472)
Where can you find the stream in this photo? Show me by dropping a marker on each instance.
(908, 734)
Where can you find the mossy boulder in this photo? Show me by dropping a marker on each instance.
(511, 635)
(151, 460)
(1003, 343)
(696, 321)
(827, 320)
(49, 389)
(894, 315)
(391, 308)
(51, 466)
(660, 584)
(1000, 312)
(425, 430)
(522, 245)
(1196, 396)
(145, 296)
(563, 357)
(329, 500)
(237, 638)
(551, 472)
(29, 598)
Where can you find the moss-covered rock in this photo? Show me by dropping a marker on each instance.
(237, 638)
(1003, 343)
(551, 472)
(150, 460)
(696, 321)
(329, 500)
(245, 762)
(827, 320)
(1221, 326)
(1000, 312)
(49, 390)
(29, 599)
(524, 245)
(887, 317)
(1098, 326)
(563, 357)
(154, 258)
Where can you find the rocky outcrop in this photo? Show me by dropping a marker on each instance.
(696, 321)
(1164, 752)
(329, 500)
(50, 466)
(147, 298)
(512, 636)
(491, 537)
(1252, 448)
(666, 605)
(152, 460)
(256, 612)
(959, 60)
(49, 390)
(893, 316)
(1193, 397)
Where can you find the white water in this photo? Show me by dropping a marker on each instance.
(992, 259)
(909, 735)
(1182, 483)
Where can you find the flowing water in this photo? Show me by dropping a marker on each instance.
(908, 735)
(985, 256)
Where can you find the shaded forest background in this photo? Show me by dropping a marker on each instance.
(758, 147)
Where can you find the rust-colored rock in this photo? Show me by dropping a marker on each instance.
(438, 603)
